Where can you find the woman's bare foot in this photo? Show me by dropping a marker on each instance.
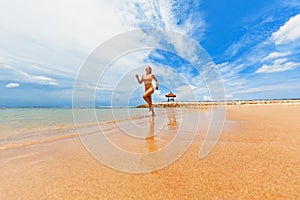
(152, 110)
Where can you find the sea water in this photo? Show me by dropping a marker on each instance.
(18, 123)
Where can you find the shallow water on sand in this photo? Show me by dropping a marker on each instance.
(23, 125)
(20, 122)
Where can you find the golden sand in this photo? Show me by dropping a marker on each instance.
(256, 157)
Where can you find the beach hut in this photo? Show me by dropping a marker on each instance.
(170, 96)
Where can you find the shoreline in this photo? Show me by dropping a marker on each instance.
(177, 104)
(53, 135)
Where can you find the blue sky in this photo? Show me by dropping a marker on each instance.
(254, 44)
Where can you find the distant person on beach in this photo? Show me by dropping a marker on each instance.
(149, 89)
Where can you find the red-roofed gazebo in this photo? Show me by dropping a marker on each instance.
(170, 96)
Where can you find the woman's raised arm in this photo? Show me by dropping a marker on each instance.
(138, 79)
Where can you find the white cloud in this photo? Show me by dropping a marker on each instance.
(83, 25)
(80, 25)
(22, 76)
(186, 93)
(42, 78)
(158, 95)
(170, 20)
(207, 98)
(228, 96)
(170, 78)
(229, 70)
(223, 67)
(279, 65)
(276, 54)
(162, 14)
(12, 85)
(40, 68)
(266, 88)
(52, 38)
(289, 32)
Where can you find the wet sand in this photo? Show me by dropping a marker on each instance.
(256, 157)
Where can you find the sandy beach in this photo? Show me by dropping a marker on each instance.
(256, 157)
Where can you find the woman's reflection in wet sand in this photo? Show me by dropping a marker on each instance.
(152, 139)
(152, 143)
(172, 125)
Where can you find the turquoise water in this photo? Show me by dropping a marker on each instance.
(21, 122)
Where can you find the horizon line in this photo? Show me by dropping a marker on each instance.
(133, 106)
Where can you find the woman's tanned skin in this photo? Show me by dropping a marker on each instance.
(149, 89)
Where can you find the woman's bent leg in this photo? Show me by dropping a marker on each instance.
(147, 97)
